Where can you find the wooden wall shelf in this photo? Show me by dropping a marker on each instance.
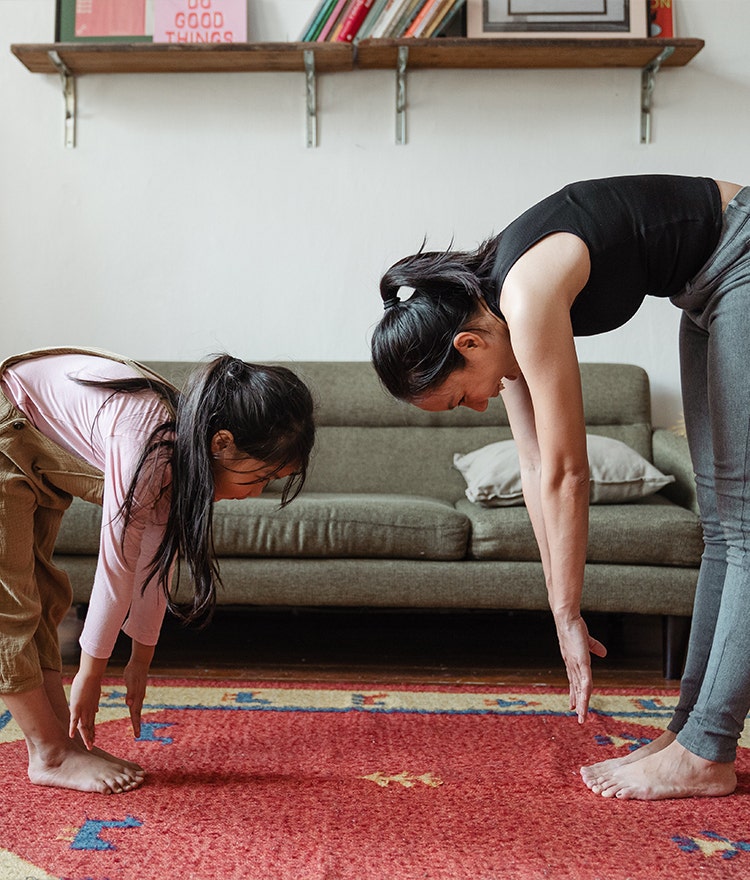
(71, 60)
(90, 58)
(485, 54)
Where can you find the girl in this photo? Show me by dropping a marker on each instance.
(503, 320)
(101, 427)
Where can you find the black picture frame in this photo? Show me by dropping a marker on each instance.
(565, 18)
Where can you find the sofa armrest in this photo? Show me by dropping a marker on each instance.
(672, 456)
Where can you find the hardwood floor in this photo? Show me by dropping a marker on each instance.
(391, 646)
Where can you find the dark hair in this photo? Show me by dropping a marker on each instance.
(269, 412)
(412, 345)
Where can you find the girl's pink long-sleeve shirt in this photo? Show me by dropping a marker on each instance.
(109, 432)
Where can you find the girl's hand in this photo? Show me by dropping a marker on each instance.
(136, 679)
(576, 646)
(84, 704)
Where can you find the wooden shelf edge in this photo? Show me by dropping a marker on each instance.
(447, 53)
(499, 53)
(105, 58)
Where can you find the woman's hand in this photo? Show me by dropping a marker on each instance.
(576, 646)
(136, 679)
(84, 698)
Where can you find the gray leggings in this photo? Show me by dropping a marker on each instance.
(715, 374)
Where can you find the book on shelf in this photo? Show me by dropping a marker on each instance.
(441, 25)
(404, 21)
(353, 21)
(339, 23)
(317, 20)
(372, 16)
(211, 21)
(349, 21)
(333, 18)
(391, 15)
(661, 18)
(426, 11)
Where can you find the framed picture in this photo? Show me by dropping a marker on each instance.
(557, 18)
(104, 21)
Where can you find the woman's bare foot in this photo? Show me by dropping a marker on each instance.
(670, 772)
(594, 773)
(75, 767)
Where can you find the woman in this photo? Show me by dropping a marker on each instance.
(79, 422)
(502, 320)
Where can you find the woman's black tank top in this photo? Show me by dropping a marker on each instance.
(647, 235)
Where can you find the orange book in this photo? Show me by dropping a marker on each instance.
(415, 26)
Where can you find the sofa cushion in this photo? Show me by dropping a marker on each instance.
(618, 473)
(652, 532)
(313, 526)
(342, 526)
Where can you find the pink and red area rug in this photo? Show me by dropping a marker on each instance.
(263, 781)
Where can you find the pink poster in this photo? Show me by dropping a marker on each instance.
(110, 18)
(200, 21)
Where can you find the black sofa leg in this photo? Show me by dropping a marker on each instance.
(675, 635)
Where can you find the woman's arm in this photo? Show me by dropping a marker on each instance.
(547, 412)
(520, 412)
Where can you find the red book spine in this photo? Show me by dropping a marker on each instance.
(661, 17)
(353, 20)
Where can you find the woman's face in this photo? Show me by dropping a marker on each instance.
(236, 475)
(488, 361)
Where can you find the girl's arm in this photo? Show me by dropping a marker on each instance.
(547, 412)
(116, 595)
(136, 679)
(86, 689)
(84, 697)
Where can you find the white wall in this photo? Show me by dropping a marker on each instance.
(191, 217)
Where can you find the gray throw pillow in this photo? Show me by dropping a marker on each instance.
(618, 473)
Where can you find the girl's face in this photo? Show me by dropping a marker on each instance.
(488, 361)
(236, 475)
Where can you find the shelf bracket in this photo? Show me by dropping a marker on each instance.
(312, 98)
(69, 94)
(648, 78)
(403, 57)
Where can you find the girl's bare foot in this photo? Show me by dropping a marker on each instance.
(76, 768)
(131, 765)
(593, 774)
(57, 760)
(53, 688)
(670, 772)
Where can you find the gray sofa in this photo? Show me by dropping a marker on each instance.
(384, 521)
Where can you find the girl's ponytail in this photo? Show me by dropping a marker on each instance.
(269, 412)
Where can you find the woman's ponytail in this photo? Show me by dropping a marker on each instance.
(412, 345)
